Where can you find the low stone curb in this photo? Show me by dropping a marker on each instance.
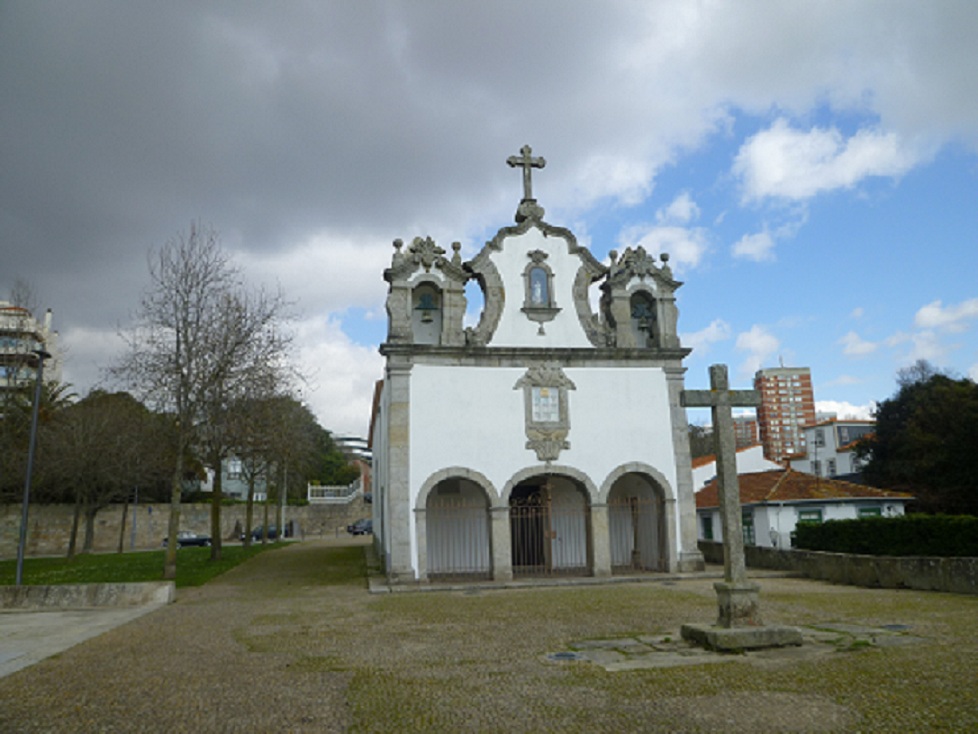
(86, 596)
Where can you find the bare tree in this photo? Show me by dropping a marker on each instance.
(200, 335)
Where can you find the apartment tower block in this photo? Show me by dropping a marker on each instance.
(787, 404)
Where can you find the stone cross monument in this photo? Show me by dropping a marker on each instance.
(739, 623)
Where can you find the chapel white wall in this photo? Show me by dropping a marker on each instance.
(474, 418)
(514, 328)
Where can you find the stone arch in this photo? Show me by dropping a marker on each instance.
(641, 519)
(548, 512)
(637, 467)
(452, 520)
(543, 469)
(451, 472)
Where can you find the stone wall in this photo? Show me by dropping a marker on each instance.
(49, 526)
(955, 575)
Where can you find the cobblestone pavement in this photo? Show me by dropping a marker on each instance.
(293, 641)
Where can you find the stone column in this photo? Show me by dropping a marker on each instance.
(690, 558)
(502, 552)
(622, 313)
(600, 541)
(421, 533)
(400, 566)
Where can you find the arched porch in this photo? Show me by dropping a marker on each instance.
(550, 526)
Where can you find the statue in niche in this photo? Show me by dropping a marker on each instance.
(538, 287)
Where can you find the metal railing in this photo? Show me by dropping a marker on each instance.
(318, 494)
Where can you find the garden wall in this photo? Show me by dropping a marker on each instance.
(956, 575)
(49, 526)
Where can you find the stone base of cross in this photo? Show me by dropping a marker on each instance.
(739, 625)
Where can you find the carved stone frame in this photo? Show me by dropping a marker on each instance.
(534, 311)
(546, 438)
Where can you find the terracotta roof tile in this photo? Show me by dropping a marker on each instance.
(787, 485)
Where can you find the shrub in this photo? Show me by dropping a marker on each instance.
(908, 535)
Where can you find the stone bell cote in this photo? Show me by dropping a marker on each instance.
(638, 301)
(426, 301)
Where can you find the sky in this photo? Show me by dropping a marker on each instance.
(809, 167)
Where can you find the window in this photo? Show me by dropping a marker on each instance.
(748, 522)
(234, 468)
(819, 437)
(870, 512)
(831, 467)
(809, 516)
(707, 527)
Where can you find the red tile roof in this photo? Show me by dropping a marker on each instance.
(787, 485)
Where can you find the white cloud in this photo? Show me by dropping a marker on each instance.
(857, 313)
(86, 354)
(951, 318)
(760, 345)
(856, 346)
(685, 246)
(756, 247)
(700, 341)
(845, 410)
(785, 163)
(926, 345)
(682, 210)
(973, 372)
(341, 376)
(326, 272)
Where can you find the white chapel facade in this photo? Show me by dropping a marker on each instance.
(547, 439)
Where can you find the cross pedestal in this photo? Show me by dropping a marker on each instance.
(739, 625)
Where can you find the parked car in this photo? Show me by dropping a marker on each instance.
(188, 537)
(256, 534)
(363, 526)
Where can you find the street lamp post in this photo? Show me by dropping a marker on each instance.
(41, 356)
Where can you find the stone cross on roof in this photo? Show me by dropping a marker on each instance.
(527, 162)
(720, 399)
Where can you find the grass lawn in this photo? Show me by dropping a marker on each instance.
(194, 566)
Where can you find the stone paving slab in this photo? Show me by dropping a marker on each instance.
(666, 651)
(27, 637)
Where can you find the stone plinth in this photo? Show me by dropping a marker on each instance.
(738, 604)
(739, 625)
(733, 639)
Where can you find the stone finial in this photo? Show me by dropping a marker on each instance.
(456, 254)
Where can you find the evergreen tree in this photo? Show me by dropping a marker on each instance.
(926, 440)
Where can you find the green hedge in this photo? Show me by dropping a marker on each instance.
(908, 535)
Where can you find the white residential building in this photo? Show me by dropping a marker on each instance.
(749, 459)
(774, 502)
(831, 448)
